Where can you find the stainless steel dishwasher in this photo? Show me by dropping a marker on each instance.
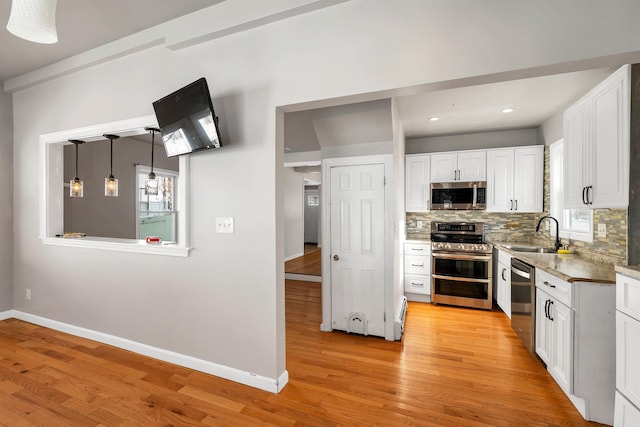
(523, 301)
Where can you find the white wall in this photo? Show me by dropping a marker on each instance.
(6, 202)
(399, 222)
(552, 129)
(470, 141)
(94, 213)
(293, 189)
(210, 305)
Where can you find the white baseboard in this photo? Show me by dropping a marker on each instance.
(289, 258)
(303, 277)
(273, 385)
(9, 314)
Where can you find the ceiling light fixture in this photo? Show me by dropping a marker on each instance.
(34, 20)
(508, 110)
(151, 183)
(75, 185)
(434, 119)
(110, 182)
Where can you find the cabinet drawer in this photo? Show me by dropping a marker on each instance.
(628, 295)
(628, 357)
(417, 249)
(417, 284)
(417, 264)
(626, 415)
(555, 287)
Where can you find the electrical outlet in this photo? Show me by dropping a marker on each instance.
(27, 294)
(419, 224)
(602, 230)
(224, 225)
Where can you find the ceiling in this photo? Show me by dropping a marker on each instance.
(83, 25)
(86, 24)
(460, 110)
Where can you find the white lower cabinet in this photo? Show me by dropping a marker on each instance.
(627, 351)
(503, 282)
(417, 271)
(574, 334)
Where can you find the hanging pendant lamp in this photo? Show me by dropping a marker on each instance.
(34, 20)
(151, 183)
(111, 183)
(75, 185)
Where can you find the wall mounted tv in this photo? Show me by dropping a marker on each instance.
(187, 120)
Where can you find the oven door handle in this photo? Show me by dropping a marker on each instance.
(461, 279)
(461, 256)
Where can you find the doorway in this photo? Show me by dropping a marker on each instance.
(311, 215)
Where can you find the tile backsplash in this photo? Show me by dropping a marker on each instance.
(521, 227)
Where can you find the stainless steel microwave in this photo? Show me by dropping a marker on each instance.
(459, 195)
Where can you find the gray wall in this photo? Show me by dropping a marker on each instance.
(6, 201)
(210, 305)
(293, 193)
(470, 141)
(94, 213)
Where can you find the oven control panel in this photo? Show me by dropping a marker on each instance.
(461, 247)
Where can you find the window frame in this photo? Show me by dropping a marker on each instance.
(556, 196)
(51, 192)
(144, 170)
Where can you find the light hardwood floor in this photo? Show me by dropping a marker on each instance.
(454, 367)
(308, 264)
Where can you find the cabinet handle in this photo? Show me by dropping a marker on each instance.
(584, 197)
(511, 204)
(549, 284)
(417, 249)
(516, 205)
(417, 265)
(589, 200)
(504, 270)
(546, 309)
(550, 304)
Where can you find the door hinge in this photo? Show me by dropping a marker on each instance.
(384, 180)
(384, 315)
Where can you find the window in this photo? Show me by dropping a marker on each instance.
(52, 190)
(156, 214)
(576, 224)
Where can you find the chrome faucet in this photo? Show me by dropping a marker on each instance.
(558, 245)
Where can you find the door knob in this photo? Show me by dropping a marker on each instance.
(336, 257)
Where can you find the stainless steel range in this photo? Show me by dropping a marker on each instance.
(461, 266)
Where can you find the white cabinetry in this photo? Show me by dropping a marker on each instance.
(596, 140)
(503, 280)
(417, 184)
(627, 411)
(515, 179)
(574, 334)
(417, 271)
(461, 166)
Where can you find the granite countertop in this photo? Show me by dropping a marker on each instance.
(633, 272)
(571, 268)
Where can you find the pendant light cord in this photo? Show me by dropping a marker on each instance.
(76, 160)
(153, 136)
(111, 157)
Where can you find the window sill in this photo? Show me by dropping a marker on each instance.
(119, 245)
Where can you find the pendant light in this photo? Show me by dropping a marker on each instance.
(75, 185)
(34, 20)
(151, 183)
(111, 183)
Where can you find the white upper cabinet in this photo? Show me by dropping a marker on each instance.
(417, 186)
(515, 179)
(459, 166)
(596, 138)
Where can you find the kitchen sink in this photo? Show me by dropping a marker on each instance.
(529, 248)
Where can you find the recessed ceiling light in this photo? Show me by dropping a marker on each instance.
(434, 119)
(508, 110)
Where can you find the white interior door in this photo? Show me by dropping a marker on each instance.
(357, 248)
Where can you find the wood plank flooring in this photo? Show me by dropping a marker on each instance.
(308, 264)
(454, 367)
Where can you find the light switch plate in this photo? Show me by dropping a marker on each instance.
(419, 223)
(602, 230)
(224, 225)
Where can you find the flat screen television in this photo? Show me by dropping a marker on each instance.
(187, 120)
